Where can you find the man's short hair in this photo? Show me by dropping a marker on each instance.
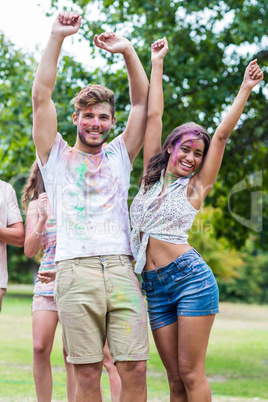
(91, 95)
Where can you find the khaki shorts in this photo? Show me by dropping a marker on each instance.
(99, 297)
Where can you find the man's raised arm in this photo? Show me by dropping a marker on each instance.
(138, 87)
(44, 112)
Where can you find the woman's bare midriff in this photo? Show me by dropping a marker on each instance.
(160, 253)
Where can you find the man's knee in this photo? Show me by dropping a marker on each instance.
(88, 375)
(134, 371)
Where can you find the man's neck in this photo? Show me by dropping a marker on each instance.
(87, 149)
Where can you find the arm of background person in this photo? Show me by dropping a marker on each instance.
(44, 111)
(138, 87)
(37, 214)
(13, 234)
(153, 133)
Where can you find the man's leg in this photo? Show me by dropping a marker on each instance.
(2, 294)
(81, 301)
(127, 330)
(133, 379)
(88, 382)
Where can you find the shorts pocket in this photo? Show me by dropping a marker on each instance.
(182, 273)
(65, 278)
(147, 286)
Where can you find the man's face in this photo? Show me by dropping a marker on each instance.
(94, 125)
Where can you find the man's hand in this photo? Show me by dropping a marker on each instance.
(66, 24)
(111, 42)
(159, 49)
(253, 75)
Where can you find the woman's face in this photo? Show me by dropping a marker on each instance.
(186, 156)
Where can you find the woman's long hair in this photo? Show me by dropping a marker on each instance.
(160, 160)
(34, 186)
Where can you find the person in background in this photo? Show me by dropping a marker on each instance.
(40, 240)
(11, 230)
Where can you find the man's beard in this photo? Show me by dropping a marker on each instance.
(93, 144)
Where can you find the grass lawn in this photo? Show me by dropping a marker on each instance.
(237, 359)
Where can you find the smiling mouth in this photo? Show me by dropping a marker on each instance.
(93, 132)
(186, 165)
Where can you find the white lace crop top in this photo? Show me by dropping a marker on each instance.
(166, 217)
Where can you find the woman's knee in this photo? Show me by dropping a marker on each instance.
(41, 348)
(191, 375)
(175, 382)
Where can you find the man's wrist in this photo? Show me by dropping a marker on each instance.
(129, 50)
(57, 37)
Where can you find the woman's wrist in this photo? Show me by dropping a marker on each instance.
(38, 233)
(39, 227)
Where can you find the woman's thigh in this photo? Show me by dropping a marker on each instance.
(166, 341)
(44, 325)
(193, 337)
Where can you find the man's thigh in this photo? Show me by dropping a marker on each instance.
(81, 301)
(127, 328)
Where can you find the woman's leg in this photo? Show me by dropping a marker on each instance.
(114, 379)
(44, 327)
(70, 378)
(166, 340)
(192, 347)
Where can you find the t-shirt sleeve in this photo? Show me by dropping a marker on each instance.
(13, 212)
(54, 157)
(118, 147)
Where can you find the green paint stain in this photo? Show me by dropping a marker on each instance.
(80, 209)
(81, 171)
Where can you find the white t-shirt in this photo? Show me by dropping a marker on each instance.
(88, 195)
(9, 214)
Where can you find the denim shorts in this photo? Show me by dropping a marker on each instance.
(184, 287)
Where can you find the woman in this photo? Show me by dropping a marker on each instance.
(41, 234)
(181, 290)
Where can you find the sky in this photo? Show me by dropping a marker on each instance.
(25, 23)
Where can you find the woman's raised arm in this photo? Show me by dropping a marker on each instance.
(206, 177)
(152, 142)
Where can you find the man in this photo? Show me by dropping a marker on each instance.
(11, 230)
(96, 291)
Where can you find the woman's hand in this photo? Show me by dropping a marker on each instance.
(43, 207)
(253, 75)
(47, 276)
